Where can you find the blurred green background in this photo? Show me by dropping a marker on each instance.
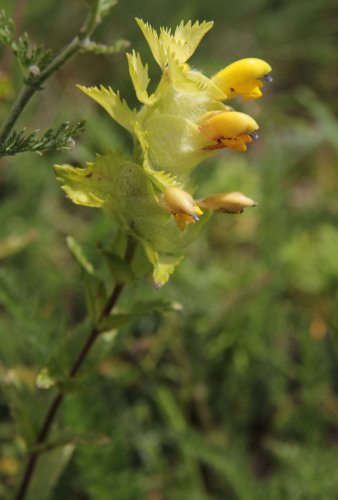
(235, 396)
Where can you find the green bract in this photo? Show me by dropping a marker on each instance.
(169, 141)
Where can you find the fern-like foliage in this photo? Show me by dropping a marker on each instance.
(33, 59)
(7, 29)
(53, 139)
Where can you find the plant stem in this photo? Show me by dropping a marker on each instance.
(56, 403)
(29, 89)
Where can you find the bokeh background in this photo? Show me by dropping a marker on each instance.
(234, 396)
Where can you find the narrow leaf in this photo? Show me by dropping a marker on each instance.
(78, 253)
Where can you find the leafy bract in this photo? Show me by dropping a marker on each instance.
(112, 103)
(139, 75)
(182, 44)
(154, 42)
(185, 40)
(115, 183)
(164, 265)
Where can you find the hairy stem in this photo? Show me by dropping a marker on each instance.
(29, 89)
(56, 403)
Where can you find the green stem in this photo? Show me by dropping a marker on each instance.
(29, 89)
(82, 356)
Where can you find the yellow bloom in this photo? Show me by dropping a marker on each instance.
(229, 129)
(182, 206)
(231, 203)
(180, 122)
(243, 78)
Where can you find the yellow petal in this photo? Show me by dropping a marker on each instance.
(242, 78)
(227, 124)
(179, 201)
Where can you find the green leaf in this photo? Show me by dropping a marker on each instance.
(118, 109)
(171, 409)
(7, 28)
(79, 255)
(119, 268)
(115, 321)
(141, 309)
(49, 469)
(96, 297)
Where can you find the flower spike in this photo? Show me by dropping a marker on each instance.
(243, 78)
(179, 124)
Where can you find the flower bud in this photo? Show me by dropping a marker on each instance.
(243, 78)
(231, 203)
(228, 129)
(182, 206)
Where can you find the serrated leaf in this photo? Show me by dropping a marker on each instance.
(152, 38)
(75, 184)
(139, 75)
(164, 265)
(118, 109)
(79, 255)
(185, 39)
(181, 45)
(116, 184)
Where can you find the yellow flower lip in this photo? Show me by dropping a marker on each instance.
(182, 206)
(232, 203)
(243, 78)
(230, 129)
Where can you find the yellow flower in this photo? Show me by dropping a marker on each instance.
(228, 129)
(243, 78)
(182, 206)
(231, 203)
(180, 122)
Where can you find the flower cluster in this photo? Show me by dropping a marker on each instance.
(178, 126)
